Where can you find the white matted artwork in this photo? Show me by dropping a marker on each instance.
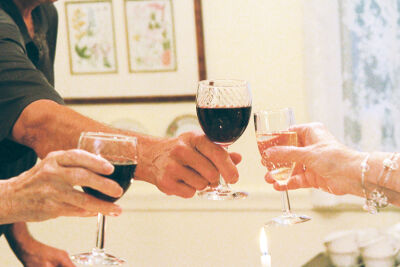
(150, 35)
(91, 37)
(124, 86)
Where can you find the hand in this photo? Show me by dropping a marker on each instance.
(47, 190)
(40, 255)
(327, 163)
(180, 166)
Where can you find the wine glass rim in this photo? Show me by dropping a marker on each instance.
(276, 110)
(108, 136)
(224, 83)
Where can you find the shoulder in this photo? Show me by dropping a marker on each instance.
(51, 12)
(8, 28)
(6, 20)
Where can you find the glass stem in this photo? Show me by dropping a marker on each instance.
(101, 222)
(222, 182)
(285, 202)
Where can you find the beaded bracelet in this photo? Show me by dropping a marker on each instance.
(369, 204)
(377, 199)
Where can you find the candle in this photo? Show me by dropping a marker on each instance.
(265, 256)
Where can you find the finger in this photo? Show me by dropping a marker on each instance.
(282, 154)
(183, 190)
(82, 158)
(298, 169)
(269, 178)
(64, 260)
(90, 203)
(298, 181)
(311, 133)
(69, 210)
(84, 177)
(235, 157)
(190, 157)
(190, 177)
(218, 156)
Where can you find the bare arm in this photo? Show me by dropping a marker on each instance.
(331, 166)
(177, 166)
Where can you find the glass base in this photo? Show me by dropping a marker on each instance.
(96, 258)
(288, 219)
(221, 193)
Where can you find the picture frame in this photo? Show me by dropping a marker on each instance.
(91, 37)
(126, 86)
(150, 35)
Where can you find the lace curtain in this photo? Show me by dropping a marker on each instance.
(370, 33)
(352, 74)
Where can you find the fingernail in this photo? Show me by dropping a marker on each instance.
(116, 212)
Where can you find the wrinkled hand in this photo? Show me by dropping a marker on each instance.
(180, 166)
(40, 255)
(324, 159)
(47, 190)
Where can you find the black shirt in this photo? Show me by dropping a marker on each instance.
(26, 75)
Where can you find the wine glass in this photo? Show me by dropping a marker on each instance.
(121, 151)
(272, 129)
(223, 109)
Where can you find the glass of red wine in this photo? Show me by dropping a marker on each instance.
(223, 109)
(121, 151)
(273, 129)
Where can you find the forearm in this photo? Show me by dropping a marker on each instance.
(19, 238)
(46, 126)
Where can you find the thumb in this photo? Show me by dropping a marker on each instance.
(281, 154)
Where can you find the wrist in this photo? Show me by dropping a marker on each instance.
(147, 155)
(7, 192)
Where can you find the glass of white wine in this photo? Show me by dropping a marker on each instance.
(273, 129)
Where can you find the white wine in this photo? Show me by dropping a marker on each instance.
(281, 172)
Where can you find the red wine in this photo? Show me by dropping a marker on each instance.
(223, 125)
(123, 173)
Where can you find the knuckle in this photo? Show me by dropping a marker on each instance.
(179, 149)
(212, 175)
(47, 170)
(166, 182)
(171, 168)
(54, 154)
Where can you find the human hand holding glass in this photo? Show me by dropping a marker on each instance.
(121, 151)
(223, 109)
(272, 129)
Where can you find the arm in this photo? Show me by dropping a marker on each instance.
(177, 166)
(31, 252)
(47, 190)
(331, 166)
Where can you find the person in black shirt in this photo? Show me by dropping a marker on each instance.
(34, 122)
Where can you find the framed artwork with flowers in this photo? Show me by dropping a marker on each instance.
(91, 37)
(150, 35)
(158, 45)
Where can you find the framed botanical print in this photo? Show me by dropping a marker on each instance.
(150, 35)
(158, 45)
(91, 37)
